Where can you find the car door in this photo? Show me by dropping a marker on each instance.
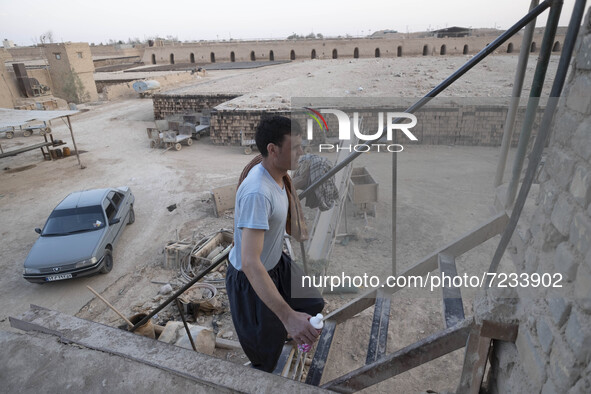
(113, 211)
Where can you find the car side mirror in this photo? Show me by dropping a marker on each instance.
(114, 221)
(38, 230)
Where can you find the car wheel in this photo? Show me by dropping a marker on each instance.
(131, 215)
(108, 264)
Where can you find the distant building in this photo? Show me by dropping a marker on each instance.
(454, 31)
(8, 44)
(72, 71)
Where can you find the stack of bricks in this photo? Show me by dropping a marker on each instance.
(474, 125)
(226, 126)
(170, 104)
(552, 353)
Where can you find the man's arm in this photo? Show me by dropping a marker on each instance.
(296, 323)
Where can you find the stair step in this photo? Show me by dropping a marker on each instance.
(453, 307)
(321, 354)
(378, 339)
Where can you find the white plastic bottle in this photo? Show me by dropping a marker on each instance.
(317, 322)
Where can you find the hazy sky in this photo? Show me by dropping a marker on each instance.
(23, 21)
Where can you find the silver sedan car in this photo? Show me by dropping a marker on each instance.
(79, 235)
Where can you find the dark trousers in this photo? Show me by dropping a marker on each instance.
(260, 332)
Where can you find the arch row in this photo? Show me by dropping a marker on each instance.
(356, 53)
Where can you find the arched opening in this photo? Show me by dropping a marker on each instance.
(252, 56)
(377, 52)
(271, 56)
(192, 58)
(356, 53)
(335, 54)
(313, 54)
(172, 58)
(466, 49)
(510, 48)
(292, 55)
(442, 50)
(212, 57)
(533, 47)
(425, 50)
(399, 51)
(232, 57)
(556, 47)
(153, 59)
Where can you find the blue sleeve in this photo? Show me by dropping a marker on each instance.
(254, 212)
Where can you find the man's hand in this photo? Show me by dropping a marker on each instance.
(299, 328)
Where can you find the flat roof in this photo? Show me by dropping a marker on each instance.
(16, 117)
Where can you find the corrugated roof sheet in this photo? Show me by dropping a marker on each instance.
(15, 117)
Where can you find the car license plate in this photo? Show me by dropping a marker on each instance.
(58, 277)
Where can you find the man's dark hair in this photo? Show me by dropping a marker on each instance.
(271, 130)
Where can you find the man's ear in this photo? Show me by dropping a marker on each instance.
(271, 148)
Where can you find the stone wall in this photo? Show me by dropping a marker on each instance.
(552, 353)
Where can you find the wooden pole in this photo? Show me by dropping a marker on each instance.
(110, 306)
(74, 142)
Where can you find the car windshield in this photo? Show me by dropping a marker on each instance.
(74, 220)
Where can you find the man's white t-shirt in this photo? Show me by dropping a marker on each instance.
(260, 204)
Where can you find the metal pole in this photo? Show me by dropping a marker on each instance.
(543, 134)
(515, 95)
(394, 198)
(534, 99)
(216, 261)
(443, 85)
(74, 142)
(187, 330)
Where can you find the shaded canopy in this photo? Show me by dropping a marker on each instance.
(16, 117)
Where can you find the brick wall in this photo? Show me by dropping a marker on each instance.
(476, 125)
(465, 125)
(552, 353)
(244, 51)
(169, 104)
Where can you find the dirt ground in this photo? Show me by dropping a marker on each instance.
(443, 192)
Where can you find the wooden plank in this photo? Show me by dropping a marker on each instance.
(430, 348)
(321, 354)
(501, 331)
(285, 352)
(475, 237)
(353, 307)
(453, 308)
(25, 149)
(287, 365)
(475, 358)
(224, 198)
(378, 338)
(482, 233)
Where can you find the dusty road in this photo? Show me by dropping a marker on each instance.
(117, 153)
